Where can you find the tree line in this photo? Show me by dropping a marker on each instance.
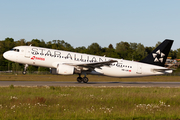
(122, 50)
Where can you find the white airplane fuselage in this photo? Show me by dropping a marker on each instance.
(50, 58)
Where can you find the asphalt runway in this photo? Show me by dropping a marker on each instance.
(89, 84)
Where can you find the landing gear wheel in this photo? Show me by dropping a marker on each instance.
(79, 79)
(24, 72)
(85, 79)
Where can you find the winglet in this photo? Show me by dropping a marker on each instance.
(159, 55)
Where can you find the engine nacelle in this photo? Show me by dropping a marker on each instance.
(63, 69)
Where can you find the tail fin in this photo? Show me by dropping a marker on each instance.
(159, 55)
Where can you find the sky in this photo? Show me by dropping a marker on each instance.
(83, 22)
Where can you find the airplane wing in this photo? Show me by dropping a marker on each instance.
(92, 65)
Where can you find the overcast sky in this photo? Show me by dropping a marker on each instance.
(83, 22)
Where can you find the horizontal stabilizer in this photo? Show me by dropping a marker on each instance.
(163, 70)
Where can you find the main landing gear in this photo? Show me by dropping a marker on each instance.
(84, 79)
(25, 68)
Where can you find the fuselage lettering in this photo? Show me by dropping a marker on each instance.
(48, 52)
(67, 55)
(34, 51)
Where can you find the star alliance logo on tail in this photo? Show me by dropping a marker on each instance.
(158, 56)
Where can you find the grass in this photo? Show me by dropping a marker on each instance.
(89, 103)
(20, 77)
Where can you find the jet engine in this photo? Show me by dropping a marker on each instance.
(63, 69)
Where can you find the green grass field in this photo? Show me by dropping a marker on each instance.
(88, 102)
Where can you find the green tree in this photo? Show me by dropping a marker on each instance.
(15, 67)
(110, 52)
(94, 49)
(141, 52)
(61, 45)
(20, 42)
(35, 42)
(42, 43)
(149, 49)
(157, 44)
(133, 46)
(8, 43)
(123, 49)
(5, 45)
(178, 54)
(172, 54)
(31, 68)
(49, 44)
(43, 69)
(81, 49)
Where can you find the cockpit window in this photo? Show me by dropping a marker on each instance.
(17, 50)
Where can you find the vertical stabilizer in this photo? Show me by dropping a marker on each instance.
(159, 55)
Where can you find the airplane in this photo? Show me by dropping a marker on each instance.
(69, 63)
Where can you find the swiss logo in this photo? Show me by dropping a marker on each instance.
(37, 58)
(158, 56)
(33, 58)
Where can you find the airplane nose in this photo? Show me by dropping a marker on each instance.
(8, 55)
(5, 55)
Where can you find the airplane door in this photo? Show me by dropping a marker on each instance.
(27, 52)
(139, 69)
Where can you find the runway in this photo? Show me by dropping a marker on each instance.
(89, 84)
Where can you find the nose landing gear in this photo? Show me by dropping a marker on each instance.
(25, 68)
(84, 79)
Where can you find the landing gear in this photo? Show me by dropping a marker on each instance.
(25, 68)
(23, 72)
(79, 79)
(84, 79)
